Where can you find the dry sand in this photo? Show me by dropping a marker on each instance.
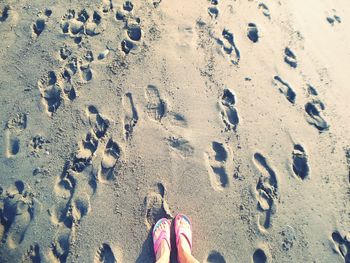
(115, 114)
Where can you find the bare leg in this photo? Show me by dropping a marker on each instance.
(183, 248)
(163, 253)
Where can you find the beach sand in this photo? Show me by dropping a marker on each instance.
(115, 114)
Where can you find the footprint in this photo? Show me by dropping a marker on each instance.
(51, 92)
(89, 56)
(12, 144)
(90, 143)
(288, 235)
(86, 73)
(347, 155)
(290, 58)
(4, 13)
(311, 90)
(229, 113)
(155, 206)
(252, 32)
(134, 32)
(38, 27)
(98, 124)
(259, 256)
(300, 162)
(156, 3)
(156, 107)
(38, 144)
(342, 245)
(285, 89)
(102, 55)
(213, 11)
(107, 6)
(176, 119)
(229, 47)
(32, 255)
(314, 115)
(60, 247)
(266, 191)
(13, 129)
(333, 18)
(17, 212)
(127, 46)
(105, 254)
(80, 206)
(109, 161)
(48, 12)
(65, 52)
(128, 6)
(130, 115)
(81, 23)
(215, 257)
(216, 161)
(265, 10)
(17, 123)
(91, 27)
(181, 145)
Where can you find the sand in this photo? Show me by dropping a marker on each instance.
(115, 114)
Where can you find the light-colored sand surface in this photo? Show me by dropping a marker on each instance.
(115, 114)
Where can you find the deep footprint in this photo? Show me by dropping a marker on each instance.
(105, 255)
(314, 109)
(342, 245)
(266, 191)
(51, 92)
(300, 162)
(229, 113)
(215, 257)
(213, 11)
(252, 32)
(134, 32)
(216, 161)
(38, 27)
(285, 89)
(4, 14)
(290, 58)
(98, 124)
(16, 214)
(229, 47)
(109, 161)
(259, 256)
(32, 255)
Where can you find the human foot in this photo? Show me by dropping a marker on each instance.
(161, 240)
(183, 231)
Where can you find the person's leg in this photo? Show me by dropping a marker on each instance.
(163, 252)
(184, 254)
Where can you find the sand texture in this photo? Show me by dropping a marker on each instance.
(117, 113)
